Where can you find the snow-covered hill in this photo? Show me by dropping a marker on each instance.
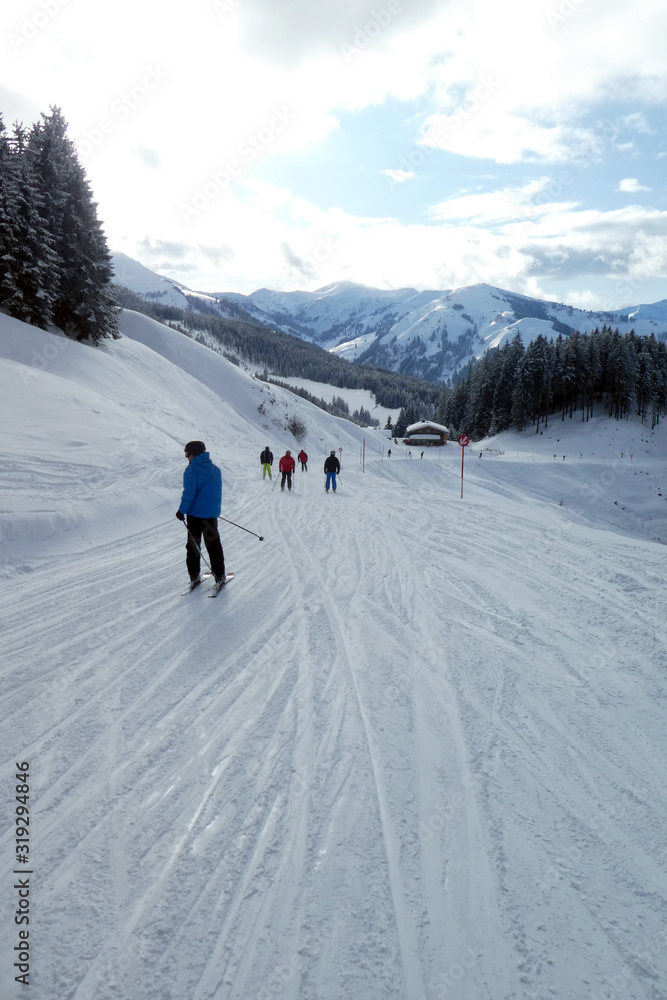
(429, 334)
(416, 750)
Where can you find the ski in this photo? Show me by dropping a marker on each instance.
(197, 583)
(218, 586)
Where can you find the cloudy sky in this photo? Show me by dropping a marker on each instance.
(239, 144)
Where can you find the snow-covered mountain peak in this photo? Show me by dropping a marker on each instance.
(428, 333)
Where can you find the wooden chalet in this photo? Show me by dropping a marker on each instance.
(426, 432)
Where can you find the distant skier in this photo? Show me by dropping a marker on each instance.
(200, 509)
(303, 459)
(286, 465)
(389, 453)
(331, 467)
(266, 460)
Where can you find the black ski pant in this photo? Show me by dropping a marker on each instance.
(286, 476)
(208, 528)
(304, 466)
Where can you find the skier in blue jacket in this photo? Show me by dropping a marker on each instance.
(200, 508)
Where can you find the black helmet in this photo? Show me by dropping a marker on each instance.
(288, 452)
(333, 453)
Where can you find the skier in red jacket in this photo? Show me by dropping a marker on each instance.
(286, 466)
(303, 458)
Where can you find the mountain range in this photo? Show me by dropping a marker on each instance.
(428, 334)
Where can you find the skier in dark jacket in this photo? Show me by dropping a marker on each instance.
(286, 465)
(200, 509)
(303, 459)
(266, 460)
(331, 467)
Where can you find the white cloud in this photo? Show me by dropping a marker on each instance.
(631, 185)
(520, 239)
(648, 257)
(245, 81)
(528, 202)
(542, 78)
(636, 121)
(399, 176)
(491, 132)
(587, 299)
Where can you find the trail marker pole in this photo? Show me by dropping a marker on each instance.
(464, 441)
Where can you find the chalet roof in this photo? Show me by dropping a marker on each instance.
(426, 426)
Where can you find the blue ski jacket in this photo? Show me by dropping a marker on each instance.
(202, 488)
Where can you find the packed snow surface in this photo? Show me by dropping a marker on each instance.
(415, 750)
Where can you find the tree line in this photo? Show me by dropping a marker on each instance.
(516, 387)
(55, 267)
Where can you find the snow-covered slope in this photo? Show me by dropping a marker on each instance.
(104, 427)
(429, 334)
(415, 750)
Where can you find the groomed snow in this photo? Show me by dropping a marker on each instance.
(415, 750)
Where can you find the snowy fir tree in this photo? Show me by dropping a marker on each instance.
(55, 266)
(408, 415)
(31, 264)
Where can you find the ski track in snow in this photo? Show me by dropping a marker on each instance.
(371, 769)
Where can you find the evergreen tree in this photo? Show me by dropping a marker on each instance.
(456, 403)
(592, 370)
(479, 406)
(541, 360)
(33, 261)
(9, 292)
(406, 417)
(658, 352)
(509, 356)
(622, 375)
(522, 393)
(645, 385)
(83, 304)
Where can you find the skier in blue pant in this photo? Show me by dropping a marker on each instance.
(331, 467)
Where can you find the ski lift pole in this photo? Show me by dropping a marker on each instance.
(464, 440)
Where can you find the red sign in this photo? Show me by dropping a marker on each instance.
(464, 440)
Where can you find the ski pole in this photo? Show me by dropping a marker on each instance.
(196, 547)
(261, 537)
